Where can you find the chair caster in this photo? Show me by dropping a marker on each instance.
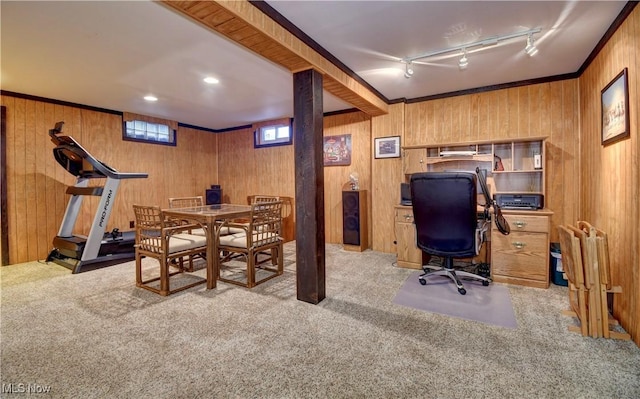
(462, 291)
(485, 283)
(422, 281)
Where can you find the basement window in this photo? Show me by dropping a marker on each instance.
(147, 132)
(273, 135)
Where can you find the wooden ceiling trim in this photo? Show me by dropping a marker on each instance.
(204, 13)
(244, 33)
(194, 6)
(231, 26)
(254, 40)
(279, 46)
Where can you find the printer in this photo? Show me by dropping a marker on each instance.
(526, 201)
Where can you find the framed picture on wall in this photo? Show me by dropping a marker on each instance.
(615, 109)
(337, 150)
(387, 147)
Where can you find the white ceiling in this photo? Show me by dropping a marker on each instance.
(110, 54)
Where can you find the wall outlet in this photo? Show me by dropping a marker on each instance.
(132, 224)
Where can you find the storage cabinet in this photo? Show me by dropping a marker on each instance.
(522, 257)
(413, 160)
(513, 166)
(408, 254)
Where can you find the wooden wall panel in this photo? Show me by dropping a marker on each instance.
(245, 170)
(506, 114)
(36, 183)
(358, 125)
(610, 197)
(386, 176)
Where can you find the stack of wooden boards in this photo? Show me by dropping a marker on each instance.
(585, 260)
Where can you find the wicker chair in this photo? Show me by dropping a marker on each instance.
(261, 234)
(252, 199)
(188, 202)
(167, 242)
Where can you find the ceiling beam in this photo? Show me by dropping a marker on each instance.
(246, 25)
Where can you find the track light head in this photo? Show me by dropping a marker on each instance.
(408, 71)
(531, 48)
(463, 62)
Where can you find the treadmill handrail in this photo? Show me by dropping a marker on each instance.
(72, 156)
(62, 153)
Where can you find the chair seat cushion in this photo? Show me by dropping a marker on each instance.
(184, 241)
(239, 240)
(234, 240)
(198, 232)
(224, 231)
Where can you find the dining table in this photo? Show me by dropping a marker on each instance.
(209, 217)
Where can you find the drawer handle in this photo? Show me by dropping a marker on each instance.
(518, 244)
(520, 224)
(407, 217)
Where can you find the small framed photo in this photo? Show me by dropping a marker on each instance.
(615, 109)
(387, 147)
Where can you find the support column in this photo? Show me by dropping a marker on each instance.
(4, 225)
(308, 141)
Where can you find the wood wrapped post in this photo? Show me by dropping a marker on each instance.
(310, 232)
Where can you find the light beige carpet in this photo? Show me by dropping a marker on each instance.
(95, 335)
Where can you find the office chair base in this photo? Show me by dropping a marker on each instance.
(451, 274)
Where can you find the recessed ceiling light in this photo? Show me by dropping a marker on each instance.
(211, 80)
(151, 98)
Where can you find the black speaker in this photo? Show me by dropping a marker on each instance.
(214, 196)
(351, 220)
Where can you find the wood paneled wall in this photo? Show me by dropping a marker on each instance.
(547, 109)
(245, 170)
(358, 125)
(36, 183)
(610, 175)
(386, 178)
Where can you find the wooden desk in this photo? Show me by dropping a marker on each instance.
(207, 216)
(520, 258)
(408, 254)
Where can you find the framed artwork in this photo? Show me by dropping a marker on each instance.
(336, 150)
(387, 147)
(615, 109)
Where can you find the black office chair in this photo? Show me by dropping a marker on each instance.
(446, 217)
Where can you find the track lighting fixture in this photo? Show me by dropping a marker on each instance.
(463, 62)
(408, 71)
(531, 48)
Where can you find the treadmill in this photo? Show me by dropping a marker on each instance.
(98, 249)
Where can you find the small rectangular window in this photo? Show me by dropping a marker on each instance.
(155, 133)
(273, 135)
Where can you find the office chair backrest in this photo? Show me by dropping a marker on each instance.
(445, 212)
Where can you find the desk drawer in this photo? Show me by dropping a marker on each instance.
(520, 255)
(404, 215)
(535, 224)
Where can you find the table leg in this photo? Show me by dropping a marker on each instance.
(212, 255)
